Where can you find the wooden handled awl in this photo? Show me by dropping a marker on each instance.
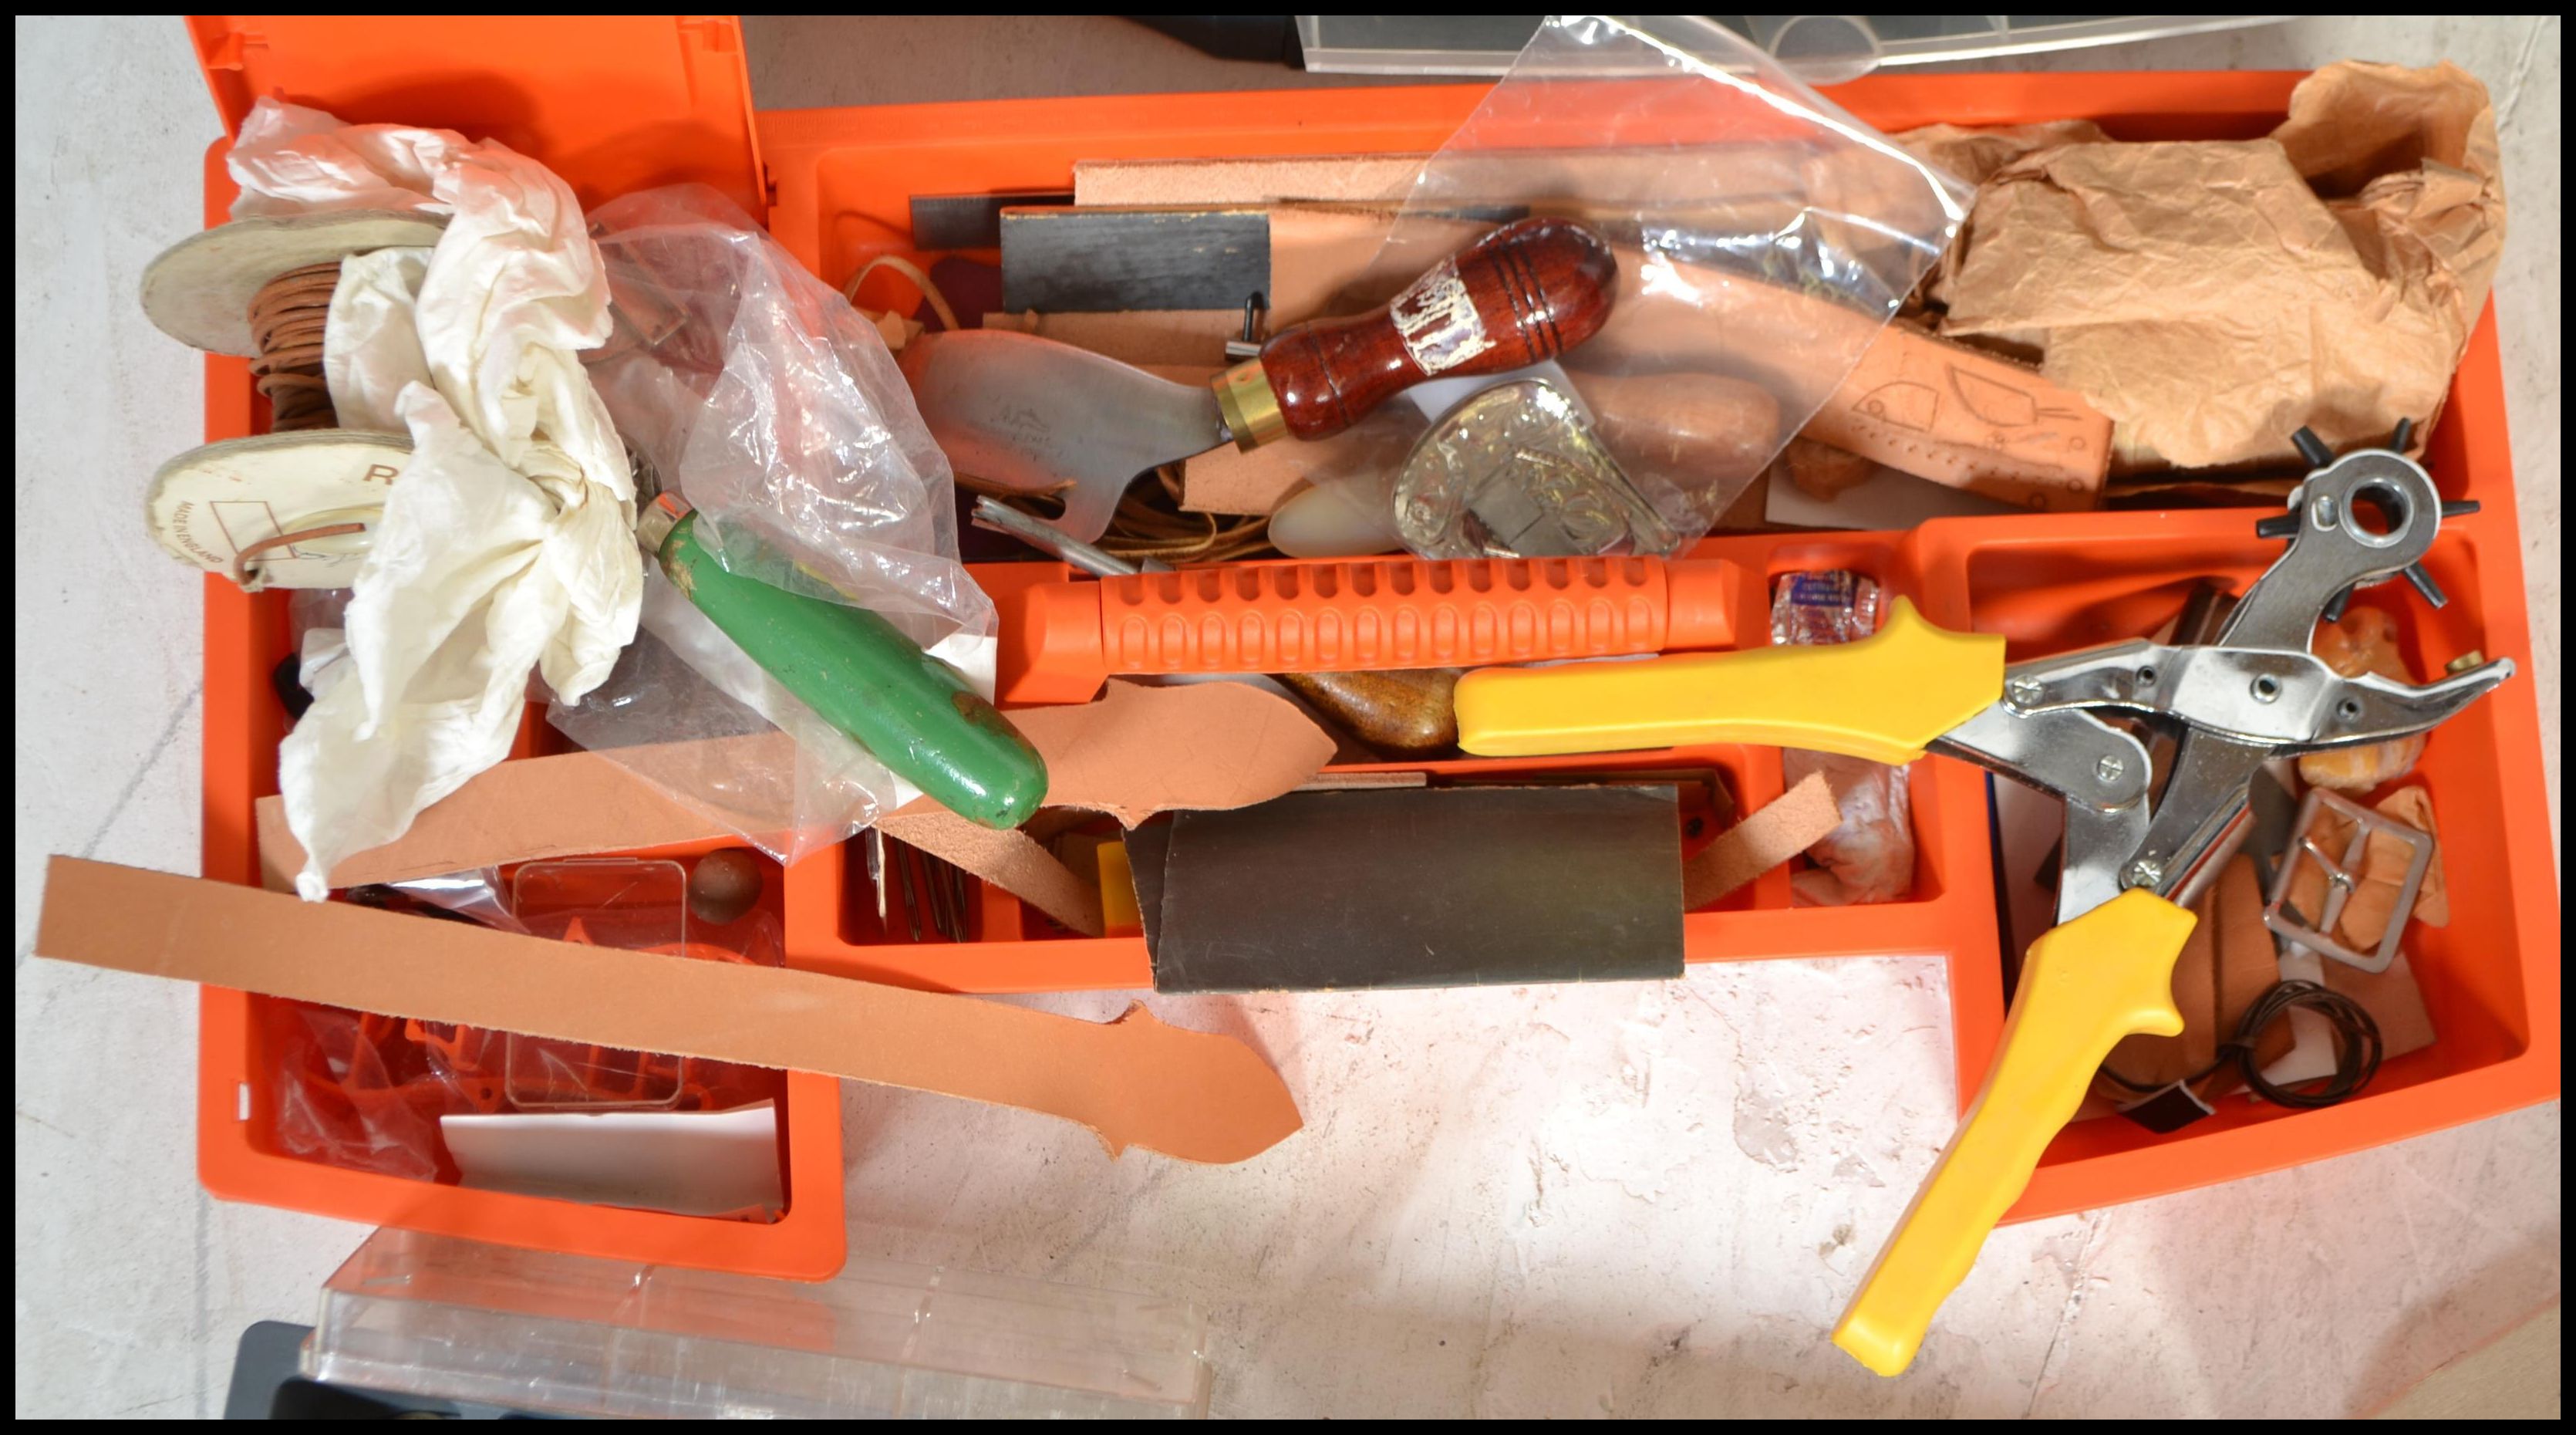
(1527, 292)
(859, 673)
(1029, 414)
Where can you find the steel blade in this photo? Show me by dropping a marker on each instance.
(1029, 413)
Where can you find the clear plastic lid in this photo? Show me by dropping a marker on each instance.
(573, 1335)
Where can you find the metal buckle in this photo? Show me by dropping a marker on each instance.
(2342, 875)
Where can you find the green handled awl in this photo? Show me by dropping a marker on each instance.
(859, 673)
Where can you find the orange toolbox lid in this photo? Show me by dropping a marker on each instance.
(612, 103)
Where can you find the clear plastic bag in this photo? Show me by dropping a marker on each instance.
(1764, 237)
(757, 393)
(683, 681)
(367, 1092)
(348, 1093)
(475, 895)
(1870, 857)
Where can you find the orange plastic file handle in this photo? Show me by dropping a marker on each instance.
(1358, 615)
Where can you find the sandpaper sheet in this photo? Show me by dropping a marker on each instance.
(1135, 1081)
(1470, 886)
(1148, 850)
(971, 221)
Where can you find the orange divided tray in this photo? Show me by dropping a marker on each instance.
(613, 105)
(838, 185)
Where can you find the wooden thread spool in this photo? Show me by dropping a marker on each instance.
(260, 288)
(287, 317)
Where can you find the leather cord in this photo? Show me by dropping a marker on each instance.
(250, 582)
(287, 316)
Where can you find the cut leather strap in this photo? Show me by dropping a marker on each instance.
(242, 560)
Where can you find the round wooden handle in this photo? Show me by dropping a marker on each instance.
(1526, 292)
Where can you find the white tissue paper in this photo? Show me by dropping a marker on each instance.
(507, 542)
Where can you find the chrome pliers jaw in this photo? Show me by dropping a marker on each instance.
(2255, 694)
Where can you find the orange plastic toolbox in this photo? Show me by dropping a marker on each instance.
(621, 103)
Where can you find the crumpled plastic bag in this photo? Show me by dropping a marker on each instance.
(683, 681)
(778, 412)
(2214, 296)
(1763, 236)
(757, 393)
(506, 543)
(1870, 856)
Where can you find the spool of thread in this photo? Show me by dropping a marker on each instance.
(287, 317)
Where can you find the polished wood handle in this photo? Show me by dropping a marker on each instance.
(1526, 292)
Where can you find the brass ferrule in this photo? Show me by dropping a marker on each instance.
(653, 526)
(1249, 406)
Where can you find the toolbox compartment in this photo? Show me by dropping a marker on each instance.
(617, 104)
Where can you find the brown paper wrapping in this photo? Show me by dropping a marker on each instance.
(2214, 296)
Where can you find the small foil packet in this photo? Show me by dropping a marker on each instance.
(1835, 605)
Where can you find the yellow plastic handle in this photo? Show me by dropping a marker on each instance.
(1884, 697)
(2084, 986)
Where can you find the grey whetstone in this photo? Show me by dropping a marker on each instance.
(969, 221)
(1096, 261)
(1470, 886)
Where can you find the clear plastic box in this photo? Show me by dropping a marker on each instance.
(1820, 49)
(573, 1335)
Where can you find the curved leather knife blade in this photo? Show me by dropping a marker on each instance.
(1030, 413)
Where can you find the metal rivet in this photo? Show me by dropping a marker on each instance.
(2348, 709)
(2023, 690)
(2110, 768)
(2323, 513)
(2267, 688)
(2146, 677)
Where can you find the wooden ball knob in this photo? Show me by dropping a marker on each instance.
(1524, 293)
(724, 886)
